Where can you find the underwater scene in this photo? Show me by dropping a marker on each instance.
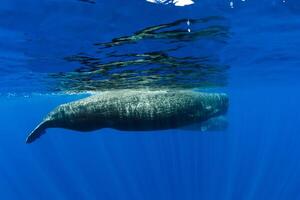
(150, 99)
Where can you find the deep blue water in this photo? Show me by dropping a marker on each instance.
(254, 59)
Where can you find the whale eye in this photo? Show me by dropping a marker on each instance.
(208, 107)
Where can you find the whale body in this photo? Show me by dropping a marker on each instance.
(135, 110)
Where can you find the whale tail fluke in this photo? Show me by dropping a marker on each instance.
(37, 132)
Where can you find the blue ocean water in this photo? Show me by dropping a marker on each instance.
(51, 52)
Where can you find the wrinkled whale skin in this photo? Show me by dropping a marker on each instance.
(135, 110)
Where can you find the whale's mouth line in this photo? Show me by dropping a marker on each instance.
(216, 123)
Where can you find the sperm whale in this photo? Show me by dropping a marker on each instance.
(134, 110)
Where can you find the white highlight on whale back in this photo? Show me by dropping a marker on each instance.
(175, 2)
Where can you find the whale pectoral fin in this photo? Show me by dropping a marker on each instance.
(218, 123)
(36, 133)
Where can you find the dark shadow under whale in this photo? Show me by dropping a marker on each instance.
(135, 110)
